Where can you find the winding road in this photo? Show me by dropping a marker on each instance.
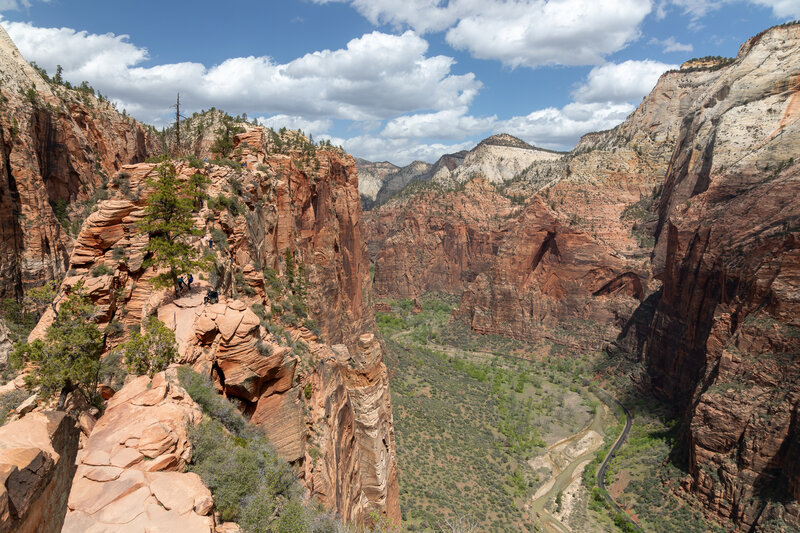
(601, 472)
(563, 476)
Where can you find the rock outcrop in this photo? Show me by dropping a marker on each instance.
(371, 177)
(545, 274)
(285, 234)
(498, 158)
(724, 345)
(59, 148)
(37, 462)
(130, 472)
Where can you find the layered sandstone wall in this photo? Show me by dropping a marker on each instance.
(274, 365)
(58, 147)
(725, 337)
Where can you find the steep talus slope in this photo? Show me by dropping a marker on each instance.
(724, 344)
(272, 217)
(58, 149)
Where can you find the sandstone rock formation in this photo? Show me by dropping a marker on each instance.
(286, 237)
(724, 339)
(130, 473)
(498, 158)
(37, 462)
(58, 150)
(371, 177)
(544, 274)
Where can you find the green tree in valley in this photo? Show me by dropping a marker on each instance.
(68, 359)
(152, 351)
(168, 219)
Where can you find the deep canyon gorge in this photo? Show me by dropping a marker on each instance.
(493, 307)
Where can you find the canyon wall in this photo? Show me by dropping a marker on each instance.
(59, 148)
(285, 236)
(725, 338)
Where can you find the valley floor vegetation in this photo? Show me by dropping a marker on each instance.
(476, 415)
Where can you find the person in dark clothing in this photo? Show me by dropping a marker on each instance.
(212, 297)
(189, 282)
(180, 283)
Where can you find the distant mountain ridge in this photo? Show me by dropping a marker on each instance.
(498, 158)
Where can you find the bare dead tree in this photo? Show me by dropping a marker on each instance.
(178, 118)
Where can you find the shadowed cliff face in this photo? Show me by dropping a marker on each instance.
(318, 389)
(725, 338)
(57, 148)
(691, 207)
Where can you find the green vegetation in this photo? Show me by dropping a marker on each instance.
(168, 220)
(223, 145)
(288, 292)
(467, 421)
(101, 270)
(68, 360)
(9, 402)
(19, 322)
(250, 483)
(643, 474)
(152, 351)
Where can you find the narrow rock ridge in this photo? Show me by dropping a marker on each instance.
(325, 406)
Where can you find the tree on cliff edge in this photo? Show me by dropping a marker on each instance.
(168, 220)
(68, 359)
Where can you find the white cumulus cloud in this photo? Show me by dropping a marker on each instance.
(670, 44)
(519, 32)
(782, 9)
(398, 151)
(314, 127)
(560, 129)
(447, 124)
(628, 81)
(375, 77)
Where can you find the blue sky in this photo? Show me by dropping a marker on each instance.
(389, 80)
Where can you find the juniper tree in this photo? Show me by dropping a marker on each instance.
(168, 219)
(68, 359)
(152, 351)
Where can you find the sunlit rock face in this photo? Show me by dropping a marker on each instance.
(319, 389)
(58, 150)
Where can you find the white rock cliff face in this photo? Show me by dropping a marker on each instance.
(495, 162)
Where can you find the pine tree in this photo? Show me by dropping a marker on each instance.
(68, 359)
(168, 219)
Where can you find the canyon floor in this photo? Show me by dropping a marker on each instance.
(502, 435)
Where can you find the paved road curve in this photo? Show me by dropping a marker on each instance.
(601, 472)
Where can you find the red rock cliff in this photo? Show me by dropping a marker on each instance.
(725, 337)
(324, 404)
(58, 149)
